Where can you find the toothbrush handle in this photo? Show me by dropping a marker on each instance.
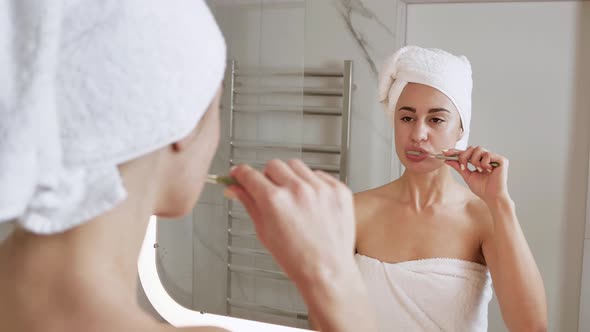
(456, 158)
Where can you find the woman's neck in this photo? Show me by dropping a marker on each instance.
(423, 190)
(91, 269)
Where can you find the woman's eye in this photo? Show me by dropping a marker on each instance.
(437, 120)
(406, 119)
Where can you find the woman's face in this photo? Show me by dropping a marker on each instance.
(425, 120)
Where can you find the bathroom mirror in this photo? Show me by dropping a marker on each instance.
(295, 62)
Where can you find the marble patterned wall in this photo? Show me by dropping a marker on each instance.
(362, 31)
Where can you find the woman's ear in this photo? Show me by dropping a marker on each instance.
(176, 147)
(182, 143)
(461, 132)
(212, 110)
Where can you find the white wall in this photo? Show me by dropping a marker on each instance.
(530, 102)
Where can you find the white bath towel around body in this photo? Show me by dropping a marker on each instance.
(436, 294)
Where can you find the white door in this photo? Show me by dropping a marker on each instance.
(531, 63)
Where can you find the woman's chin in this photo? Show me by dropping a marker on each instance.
(422, 167)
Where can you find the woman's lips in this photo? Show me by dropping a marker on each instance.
(416, 158)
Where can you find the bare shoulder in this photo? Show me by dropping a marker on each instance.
(479, 213)
(367, 203)
(364, 199)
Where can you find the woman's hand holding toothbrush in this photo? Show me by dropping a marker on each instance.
(487, 182)
(306, 220)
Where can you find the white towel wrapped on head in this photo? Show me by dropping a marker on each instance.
(88, 85)
(436, 68)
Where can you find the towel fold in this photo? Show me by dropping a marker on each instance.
(435, 294)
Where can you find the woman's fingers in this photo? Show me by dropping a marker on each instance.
(304, 172)
(280, 173)
(465, 156)
(464, 172)
(476, 158)
(253, 182)
(327, 178)
(247, 201)
(486, 161)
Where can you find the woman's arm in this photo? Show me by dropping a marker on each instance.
(516, 277)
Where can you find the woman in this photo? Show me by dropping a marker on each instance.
(110, 114)
(424, 242)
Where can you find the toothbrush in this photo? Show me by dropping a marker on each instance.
(220, 179)
(443, 157)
